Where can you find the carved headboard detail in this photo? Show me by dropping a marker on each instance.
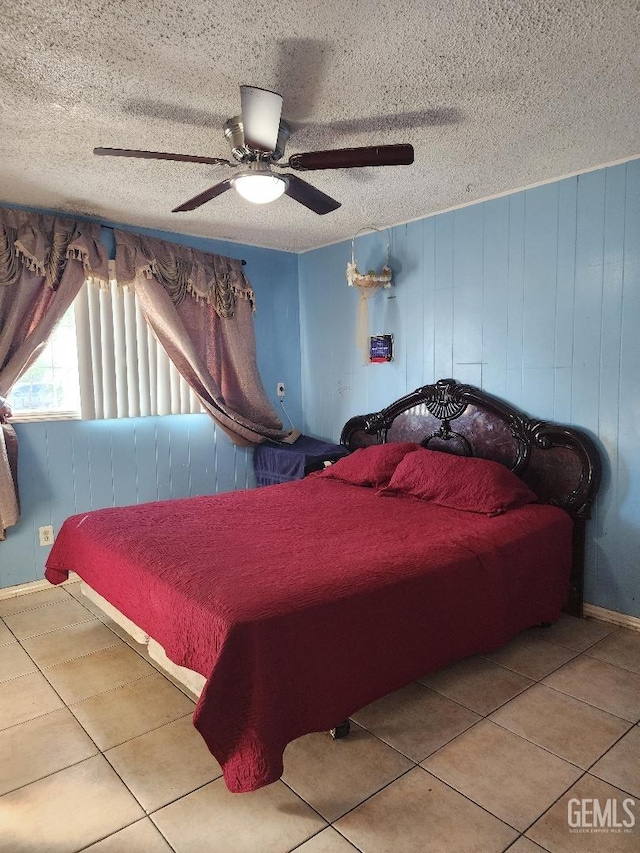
(560, 463)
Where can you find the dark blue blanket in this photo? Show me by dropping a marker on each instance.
(280, 463)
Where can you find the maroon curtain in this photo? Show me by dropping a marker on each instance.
(43, 262)
(200, 308)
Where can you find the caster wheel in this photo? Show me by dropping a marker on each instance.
(340, 731)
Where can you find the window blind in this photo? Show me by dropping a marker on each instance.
(123, 371)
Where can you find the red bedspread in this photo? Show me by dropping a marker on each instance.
(301, 603)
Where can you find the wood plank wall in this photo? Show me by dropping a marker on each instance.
(536, 298)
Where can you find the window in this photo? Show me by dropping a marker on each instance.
(102, 361)
(50, 387)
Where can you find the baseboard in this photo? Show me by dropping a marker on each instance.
(32, 586)
(612, 616)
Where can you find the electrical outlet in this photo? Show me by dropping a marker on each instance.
(280, 389)
(45, 535)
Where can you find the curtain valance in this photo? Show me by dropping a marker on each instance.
(200, 308)
(182, 271)
(44, 244)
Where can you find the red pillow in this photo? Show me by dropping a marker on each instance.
(459, 482)
(369, 466)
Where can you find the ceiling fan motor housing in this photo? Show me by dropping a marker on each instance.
(234, 133)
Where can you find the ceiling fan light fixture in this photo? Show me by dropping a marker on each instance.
(259, 188)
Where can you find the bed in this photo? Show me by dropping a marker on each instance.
(293, 606)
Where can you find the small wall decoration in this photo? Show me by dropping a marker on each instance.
(368, 284)
(380, 349)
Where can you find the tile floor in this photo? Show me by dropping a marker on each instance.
(97, 750)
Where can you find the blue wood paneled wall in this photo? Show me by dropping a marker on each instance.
(536, 298)
(73, 466)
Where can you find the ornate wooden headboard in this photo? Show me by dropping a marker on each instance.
(560, 463)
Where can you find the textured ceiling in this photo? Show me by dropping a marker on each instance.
(493, 95)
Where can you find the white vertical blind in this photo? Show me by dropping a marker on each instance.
(124, 372)
(85, 360)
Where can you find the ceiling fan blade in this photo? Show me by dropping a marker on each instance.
(348, 158)
(310, 196)
(261, 110)
(204, 197)
(159, 155)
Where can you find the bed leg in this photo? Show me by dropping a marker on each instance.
(340, 731)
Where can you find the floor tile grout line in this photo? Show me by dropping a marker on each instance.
(12, 634)
(73, 704)
(300, 797)
(542, 683)
(142, 734)
(408, 770)
(162, 835)
(525, 674)
(590, 704)
(143, 651)
(53, 772)
(586, 648)
(415, 764)
(70, 705)
(316, 834)
(613, 745)
(111, 834)
(53, 630)
(557, 800)
(501, 819)
(35, 606)
(148, 812)
(64, 704)
(521, 833)
(37, 717)
(619, 665)
(128, 640)
(585, 653)
(331, 822)
(16, 677)
(493, 710)
(100, 751)
(128, 740)
(373, 794)
(78, 657)
(442, 781)
(573, 784)
(550, 751)
(380, 739)
(409, 757)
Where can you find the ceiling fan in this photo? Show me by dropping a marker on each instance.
(258, 138)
